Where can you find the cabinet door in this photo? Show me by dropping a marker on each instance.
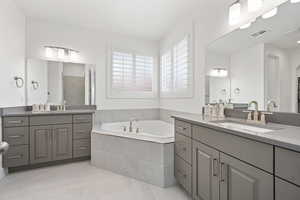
(40, 144)
(239, 180)
(62, 142)
(205, 172)
(286, 191)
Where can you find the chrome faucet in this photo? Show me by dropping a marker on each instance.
(259, 118)
(131, 124)
(255, 103)
(271, 104)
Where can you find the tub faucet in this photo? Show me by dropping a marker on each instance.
(131, 124)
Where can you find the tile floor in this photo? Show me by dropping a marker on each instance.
(81, 181)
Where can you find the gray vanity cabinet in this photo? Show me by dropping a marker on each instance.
(239, 180)
(205, 172)
(40, 144)
(62, 142)
(50, 143)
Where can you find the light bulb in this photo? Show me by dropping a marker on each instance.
(49, 52)
(270, 14)
(218, 72)
(254, 5)
(298, 42)
(295, 1)
(61, 53)
(234, 13)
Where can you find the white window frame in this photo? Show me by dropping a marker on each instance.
(177, 93)
(116, 94)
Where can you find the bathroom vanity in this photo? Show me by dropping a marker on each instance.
(216, 162)
(41, 139)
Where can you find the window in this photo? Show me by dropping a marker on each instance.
(131, 75)
(176, 71)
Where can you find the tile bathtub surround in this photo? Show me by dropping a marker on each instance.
(146, 161)
(106, 116)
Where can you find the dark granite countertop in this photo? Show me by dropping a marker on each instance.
(281, 135)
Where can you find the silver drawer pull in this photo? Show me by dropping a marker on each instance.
(15, 157)
(223, 172)
(215, 167)
(16, 122)
(16, 136)
(83, 148)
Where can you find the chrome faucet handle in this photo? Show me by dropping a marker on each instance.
(263, 117)
(249, 117)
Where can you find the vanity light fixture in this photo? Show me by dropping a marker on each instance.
(234, 13)
(270, 13)
(295, 1)
(218, 72)
(254, 5)
(61, 53)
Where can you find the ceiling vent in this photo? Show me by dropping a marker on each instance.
(258, 34)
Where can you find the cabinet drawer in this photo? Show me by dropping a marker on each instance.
(81, 148)
(256, 153)
(86, 118)
(15, 121)
(286, 191)
(50, 120)
(183, 128)
(183, 174)
(287, 165)
(82, 131)
(16, 156)
(16, 135)
(183, 147)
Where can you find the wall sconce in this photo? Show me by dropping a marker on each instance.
(218, 72)
(234, 13)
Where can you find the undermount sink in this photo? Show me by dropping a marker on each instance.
(245, 127)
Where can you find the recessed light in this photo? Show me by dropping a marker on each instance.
(298, 41)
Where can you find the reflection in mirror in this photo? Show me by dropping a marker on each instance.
(263, 63)
(59, 83)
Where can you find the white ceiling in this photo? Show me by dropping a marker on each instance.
(149, 19)
(282, 26)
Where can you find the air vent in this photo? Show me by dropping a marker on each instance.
(258, 34)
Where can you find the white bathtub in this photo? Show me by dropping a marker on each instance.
(149, 130)
(147, 156)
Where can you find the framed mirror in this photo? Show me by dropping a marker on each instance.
(258, 63)
(59, 83)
